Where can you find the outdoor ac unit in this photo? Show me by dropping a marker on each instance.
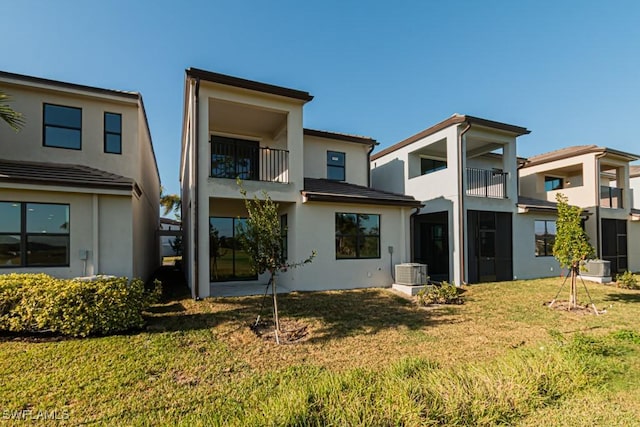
(411, 274)
(598, 268)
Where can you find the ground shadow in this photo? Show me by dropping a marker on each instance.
(620, 297)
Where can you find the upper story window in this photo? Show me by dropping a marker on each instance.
(113, 133)
(552, 183)
(431, 165)
(34, 234)
(336, 165)
(62, 127)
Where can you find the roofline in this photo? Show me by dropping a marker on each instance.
(324, 197)
(453, 120)
(340, 136)
(130, 186)
(227, 80)
(579, 152)
(66, 85)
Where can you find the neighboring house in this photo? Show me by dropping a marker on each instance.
(234, 127)
(79, 184)
(167, 239)
(598, 180)
(473, 226)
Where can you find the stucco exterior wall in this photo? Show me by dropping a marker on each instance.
(633, 240)
(315, 159)
(526, 265)
(99, 224)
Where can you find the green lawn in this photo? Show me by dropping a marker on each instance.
(371, 358)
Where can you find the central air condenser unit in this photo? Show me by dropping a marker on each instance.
(411, 274)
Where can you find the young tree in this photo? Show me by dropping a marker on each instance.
(261, 237)
(572, 243)
(8, 114)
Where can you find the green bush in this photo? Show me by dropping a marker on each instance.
(445, 293)
(40, 303)
(627, 280)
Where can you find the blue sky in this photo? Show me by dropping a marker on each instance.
(567, 70)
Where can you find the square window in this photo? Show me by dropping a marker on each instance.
(62, 127)
(357, 236)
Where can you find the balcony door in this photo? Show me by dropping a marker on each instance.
(234, 158)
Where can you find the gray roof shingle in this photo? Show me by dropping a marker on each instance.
(325, 190)
(15, 171)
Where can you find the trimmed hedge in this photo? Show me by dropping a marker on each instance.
(31, 303)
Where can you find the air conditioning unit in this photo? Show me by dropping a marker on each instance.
(598, 268)
(411, 274)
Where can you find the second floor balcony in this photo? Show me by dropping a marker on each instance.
(232, 158)
(611, 197)
(487, 183)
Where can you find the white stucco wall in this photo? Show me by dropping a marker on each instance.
(633, 240)
(315, 158)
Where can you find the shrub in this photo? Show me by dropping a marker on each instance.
(445, 293)
(40, 303)
(627, 280)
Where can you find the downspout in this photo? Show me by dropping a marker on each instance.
(196, 269)
(598, 225)
(412, 219)
(461, 197)
(369, 164)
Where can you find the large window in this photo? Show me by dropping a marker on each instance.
(552, 183)
(34, 234)
(336, 166)
(545, 237)
(62, 127)
(431, 165)
(228, 261)
(284, 233)
(357, 236)
(234, 158)
(113, 133)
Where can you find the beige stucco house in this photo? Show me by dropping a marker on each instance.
(234, 127)
(598, 179)
(473, 226)
(79, 184)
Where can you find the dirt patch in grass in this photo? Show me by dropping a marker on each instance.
(291, 331)
(579, 309)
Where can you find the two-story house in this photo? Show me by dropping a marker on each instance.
(598, 180)
(238, 128)
(79, 184)
(465, 172)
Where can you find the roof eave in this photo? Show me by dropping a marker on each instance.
(336, 198)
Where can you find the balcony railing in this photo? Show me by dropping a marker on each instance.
(611, 197)
(248, 161)
(486, 183)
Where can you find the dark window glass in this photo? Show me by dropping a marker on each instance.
(431, 165)
(234, 158)
(228, 260)
(336, 166)
(357, 235)
(552, 183)
(34, 234)
(113, 133)
(545, 236)
(62, 127)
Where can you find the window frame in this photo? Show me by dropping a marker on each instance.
(46, 125)
(547, 238)
(284, 235)
(107, 133)
(342, 167)
(360, 237)
(24, 235)
(443, 165)
(548, 178)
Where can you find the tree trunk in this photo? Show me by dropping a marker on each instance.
(573, 298)
(276, 318)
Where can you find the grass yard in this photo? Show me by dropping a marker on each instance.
(371, 358)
